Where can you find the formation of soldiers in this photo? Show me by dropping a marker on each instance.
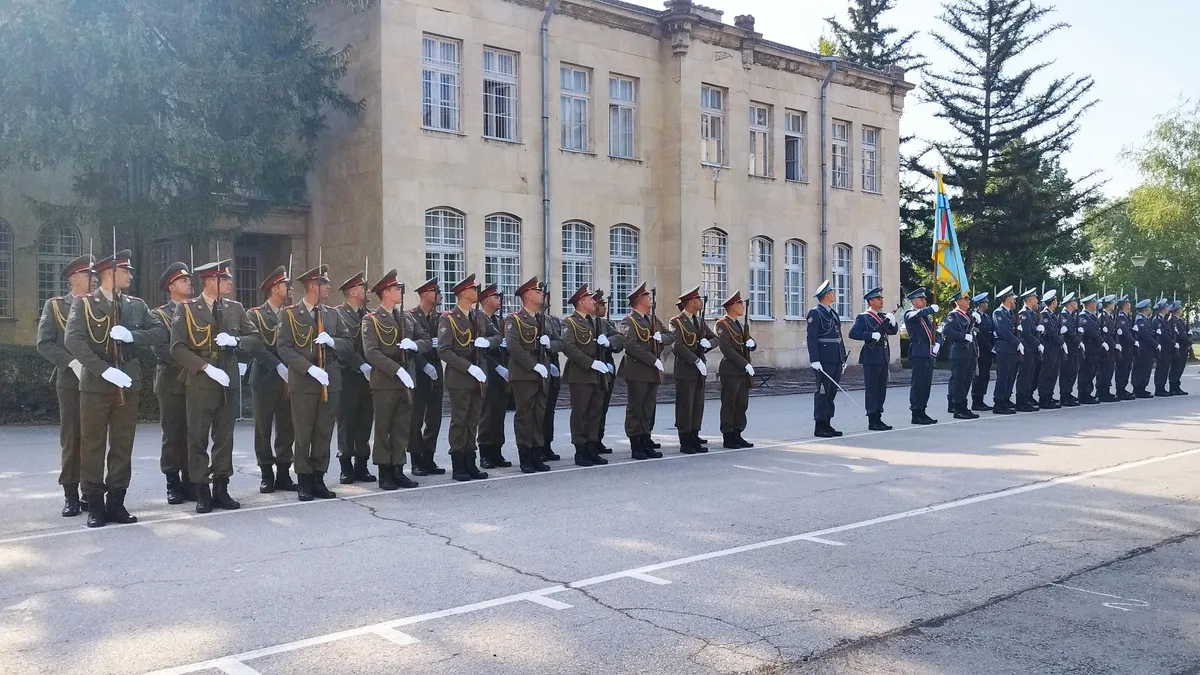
(1092, 350)
(379, 375)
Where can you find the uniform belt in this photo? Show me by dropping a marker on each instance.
(833, 340)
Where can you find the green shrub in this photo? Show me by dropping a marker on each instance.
(27, 396)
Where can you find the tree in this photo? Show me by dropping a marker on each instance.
(1168, 201)
(825, 46)
(1008, 135)
(865, 42)
(1172, 266)
(167, 114)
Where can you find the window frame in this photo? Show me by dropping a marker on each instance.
(498, 79)
(842, 280)
(51, 264)
(502, 257)
(794, 269)
(712, 118)
(622, 111)
(760, 140)
(441, 254)
(7, 259)
(758, 296)
(623, 267)
(714, 264)
(583, 99)
(840, 149)
(582, 264)
(799, 138)
(875, 279)
(871, 165)
(446, 107)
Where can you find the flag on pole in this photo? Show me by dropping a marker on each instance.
(947, 257)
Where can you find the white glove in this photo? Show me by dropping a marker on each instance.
(600, 367)
(845, 365)
(612, 369)
(1104, 329)
(1020, 328)
(319, 375)
(1064, 348)
(119, 378)
(970, 338)
(1079, 330)
(1159, 331)
(482, 343)
(1137, 343)
(702, 368)
(1021, 347)
(1119, 348)
(750, 370)
(876, 335)
(751, 344)
(816, 365)
(242, 368)
(1120, 332)
(541, 370)
(366, 370)
(1105, 345)
(705, 343)
(937, 347)
(435, 343)
(503, 343)
(554, 372)
(405, 378)
(657, 336)
(282, 370)
(408, 344)
(122, 334)
(978, 319)
(1082, 348)
(226, 340)
(1041, 349)
(545, 340)
(217, 375)
(1159, 347)
(602, 340)
(934, 308)
(1062, 331)
(77, 367)
(658, 364)
(502, 372)
(430, 371)
(477, 373)
(324, 339)
(1041, 328)
(891, 318)
(1137, 328)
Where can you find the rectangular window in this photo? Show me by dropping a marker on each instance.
(246, 277)
(714, 265)
(871, 274)
(6, 271)
(499, 94)
(712, 126)
(441, 64)
(841, 280)
(622, 117)
(870, 160)
(445, 235)
(793, 145)
(841, 155)
(623, 267)
(793, 280)
(760, 140)
(759, 304)
(576, 100)
(576, 260)
(502, 257)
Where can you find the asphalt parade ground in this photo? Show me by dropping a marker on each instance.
(1063, 541)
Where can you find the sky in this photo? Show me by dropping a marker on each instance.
(1143, 56)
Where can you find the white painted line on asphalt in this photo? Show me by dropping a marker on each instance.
(549, 602)
(149, 521)
(649, 579)
(644, 573)
(753, 468)
(1084, 590)
(234, 667)
(395, 636)
(827, 542)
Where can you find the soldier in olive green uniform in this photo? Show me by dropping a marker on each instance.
(205, 336)
(427, 397)
(737, 374)
(67, 370)
(529, 363)
(355, 411)
(553, 328)
(495, 401)
(312, 340)
(389, 345)
(603, 326)
(102, 329)
(271, 400)
(585, 375)
(693, 339)
(461, 343)
(172, 399)
(642, 369)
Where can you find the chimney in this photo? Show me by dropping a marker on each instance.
(745, 22)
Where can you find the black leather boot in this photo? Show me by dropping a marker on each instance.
(458, 469)
(603, 449)
(362, 470)
(523, 460)
(594, 449)
(70, 500)
(485, 457)
(96, 509)
(470, 468)
(283, 477)
(266, 484)
(174, 488)
(745, 443)
(204, 502)
(980, 406)
(347, 475)
(221, 498)
(729, 441)
(699, 443)
(498, 457)
(823, 430)
(83, 502)
(387, 478)
(648, 447)
(318, 487)
(653, 445)
(876, 423)
(417, 460)
(187, 486)
(548, 454)
(685, 444)
(582, 456)
(431, 467)
(304, 487)
(404, 482)
(638, 450)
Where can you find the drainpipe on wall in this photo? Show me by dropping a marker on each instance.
(546, 139)
(825, 165)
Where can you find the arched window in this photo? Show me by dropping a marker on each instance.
(622, 267)
(57, 247)
(576, 260)
(841, 279)
(714, 265)
(502, 257)
(794, 297)
(6, 270)
(445, 252)
(872, 271)
(758, 305)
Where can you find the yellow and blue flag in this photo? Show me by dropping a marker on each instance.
(947, 257)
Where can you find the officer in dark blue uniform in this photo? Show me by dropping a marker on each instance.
(1028, 326)
(1166, 346)
(1054, 348)
(1092, 349)
(959, 331)
(1183, 349)
(873, 327)
(1004, 323)
(1146, 342)
(1108, 361)
(985, 340)
(923, 345)
(1126, 351)
(827, 355)
(1068, 327)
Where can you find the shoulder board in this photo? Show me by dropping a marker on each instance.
(131, 297)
